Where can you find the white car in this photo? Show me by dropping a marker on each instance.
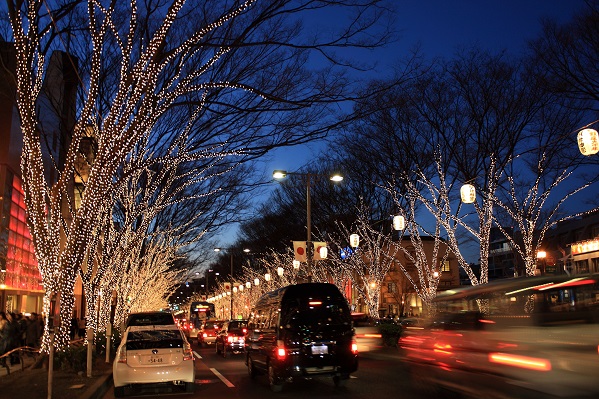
(157, 354)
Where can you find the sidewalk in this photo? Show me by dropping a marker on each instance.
(30, 379)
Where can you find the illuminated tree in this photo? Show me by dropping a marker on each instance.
(368, 264)
(420, 263)
(532, 206)
(236, 69)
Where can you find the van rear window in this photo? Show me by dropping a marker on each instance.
(316, 311)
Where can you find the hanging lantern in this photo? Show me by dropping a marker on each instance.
(588, 141)
(354, 240)
(399, 223)
(280, 271)
(323, 252)
(241, 288)
(248, 284)
(468, 193)
(256, 281)
(296, 264)
(267, 277)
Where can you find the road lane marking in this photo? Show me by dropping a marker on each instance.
(197, 355)
(222, 378)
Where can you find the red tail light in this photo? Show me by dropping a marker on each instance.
(187, 352)
(354, 347)
(245, 330)
(230, 338)
(281, 351)
(122, 355)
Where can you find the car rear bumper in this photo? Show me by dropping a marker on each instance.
(124, 375)
(302, 367)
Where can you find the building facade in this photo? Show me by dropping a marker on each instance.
(21, 288)
(398, 298)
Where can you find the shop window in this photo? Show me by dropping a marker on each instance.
(445, 267)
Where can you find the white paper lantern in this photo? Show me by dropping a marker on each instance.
(399, 223)
(296, 264)
(354, 240)
(468, 193)
(267, 277)
(256, 281)
(588, 141)
(280, 271)
(323, 252)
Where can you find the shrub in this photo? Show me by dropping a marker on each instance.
(390, 333)
(73, 358)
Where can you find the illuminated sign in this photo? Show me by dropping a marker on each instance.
(585, 246)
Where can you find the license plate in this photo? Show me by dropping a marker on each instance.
(155, 359)
(320, 350)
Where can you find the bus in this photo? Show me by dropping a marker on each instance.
(511, 338)
(199, 312)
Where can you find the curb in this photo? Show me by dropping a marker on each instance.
(99, 388)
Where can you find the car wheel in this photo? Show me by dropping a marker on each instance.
(252, 372)
(190, 387)
(119, 392)
(273, 380)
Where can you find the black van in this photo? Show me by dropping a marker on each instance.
(302, 330)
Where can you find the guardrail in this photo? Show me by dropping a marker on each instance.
(5, 358)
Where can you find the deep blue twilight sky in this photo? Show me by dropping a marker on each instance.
(441, 27)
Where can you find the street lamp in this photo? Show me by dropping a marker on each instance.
(542, 255)
(281, 174)
(231, 287)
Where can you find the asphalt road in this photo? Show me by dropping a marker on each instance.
(380, 375)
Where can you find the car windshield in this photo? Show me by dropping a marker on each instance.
(152, 339)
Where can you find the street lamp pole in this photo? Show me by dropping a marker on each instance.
(231, 287)
(281, 174)
(309, 247)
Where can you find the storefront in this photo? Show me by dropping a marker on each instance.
(585, 256)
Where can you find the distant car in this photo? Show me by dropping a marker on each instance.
(231, 337)
(517, 338)
(150, 319)
(208, 332)
(368, 333)
(194, 328)
(411, 322)
(153, 355)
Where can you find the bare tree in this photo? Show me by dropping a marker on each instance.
(244, 58)
(368, 264)
(565, 56)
